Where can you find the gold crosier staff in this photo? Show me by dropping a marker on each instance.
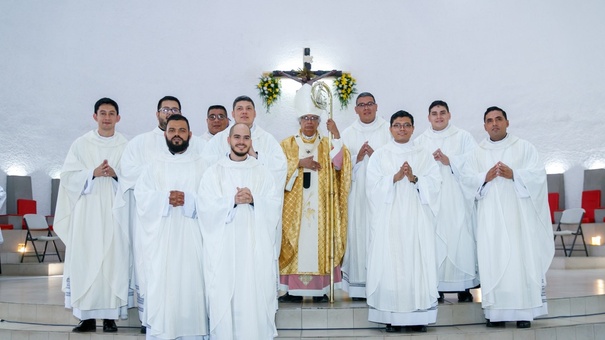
(322, 97)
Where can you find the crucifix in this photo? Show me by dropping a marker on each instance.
(305, 75)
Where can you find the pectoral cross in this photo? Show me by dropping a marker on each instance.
(305, 75)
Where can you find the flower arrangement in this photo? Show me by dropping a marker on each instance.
(344, 87)
(269, 89)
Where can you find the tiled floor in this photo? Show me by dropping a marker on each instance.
(562, 283)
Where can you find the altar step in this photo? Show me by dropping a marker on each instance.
(569, 318)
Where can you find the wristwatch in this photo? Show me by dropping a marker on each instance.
(415, 180)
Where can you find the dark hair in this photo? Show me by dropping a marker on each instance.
(109, 101)
(168, 98)
(214, 107)
(178, 117)
(439, 103)
(243, 99)
(401, 114)
(494, 108)
(365, 94)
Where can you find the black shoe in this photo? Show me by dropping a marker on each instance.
(143, 330)
(440, 298)
(465, 297)
(289, 298)
(393, 329)
(109, 326)
(358, 299)
(523, 324)
(321, 298)
(498, 324)
(89, 325)
(419, 328)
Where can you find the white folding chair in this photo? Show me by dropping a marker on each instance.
(570, 224)
(36, 225)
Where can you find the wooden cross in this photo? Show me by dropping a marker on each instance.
(305, 75)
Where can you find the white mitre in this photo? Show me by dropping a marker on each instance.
(304, 104)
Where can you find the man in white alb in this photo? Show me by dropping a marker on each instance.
(265, 149)
(172, 253)
(139, 152)
(514, 232)
(403, 189)
(366, 134)
(238, 210)
(456, 247)
(97, 256)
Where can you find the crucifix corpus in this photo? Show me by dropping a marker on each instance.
(305, 75)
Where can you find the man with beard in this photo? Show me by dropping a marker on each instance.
(238, 209)
(96, 272)
(139, 152)
(403, 188)
(216, 120)
(456, 247)
(514, 232)
(264, 148)
(171, 252)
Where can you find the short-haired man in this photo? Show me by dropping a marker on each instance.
(366, 134)
(514, 232)
(96, 271)
(239, 208)
(304, 261)
(139, 153)
(456, 247)
(216, 120)
(403, 189)
(172, 250)
(264, 148)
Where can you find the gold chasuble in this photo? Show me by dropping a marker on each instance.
(293, 208)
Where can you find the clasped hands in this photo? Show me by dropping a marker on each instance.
(404, 171)
(176, 198)
(104, 170)
(243, 196)
(365, 149)
(499, 170)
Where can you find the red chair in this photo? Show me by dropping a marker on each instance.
(26, 206)
(553, 204)
(591, 200)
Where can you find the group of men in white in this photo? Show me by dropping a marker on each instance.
(205, 232)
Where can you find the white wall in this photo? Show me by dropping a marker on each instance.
(541, 60)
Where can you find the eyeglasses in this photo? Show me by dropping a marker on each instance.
(368, 105)
(313, 118)
(171, 110)
(215, 117)
(400, 126)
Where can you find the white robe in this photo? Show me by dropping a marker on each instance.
(138, 154)
(172, 247)
(238, 248)
(354, 266)
(402, 274)
(207, 136)
(514, 234)
(270, 154)
(96, 270)
(456, 246)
